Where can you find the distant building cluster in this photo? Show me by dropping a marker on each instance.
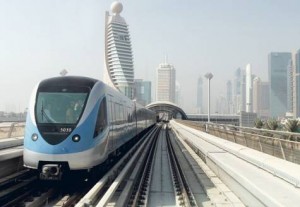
(12, 116)
(119, 71)
(246, 93)
(279, 97)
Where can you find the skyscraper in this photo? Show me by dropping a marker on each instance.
(256, 94)
(264, 99)
(277, 71)
(229, 97)
(221, 105)
(243, 90)
(165, 84)
(237, 90)
(260, 98)
(290, 85)
(248, 88)
(177, 93)
(200, 95)
(142, 91)
(118, 71)
(297, 85)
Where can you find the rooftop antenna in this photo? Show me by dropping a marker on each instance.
(166, 59)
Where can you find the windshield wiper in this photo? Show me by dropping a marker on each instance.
(44, 114)
(42, 111)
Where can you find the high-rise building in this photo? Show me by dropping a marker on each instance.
(293, 85)
(296, 76)
(256, 94)
(229, 97)
(264, 99)
(177, 93)
(277, 71)
(200, 95)
(142, 91)
(290, 86)
(165, 84)
(221, 105)
(248, 88)
(260, 98)
(237, 90)
(243, 90)
(118, 70)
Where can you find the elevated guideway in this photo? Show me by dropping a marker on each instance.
(257, 178)
(166, 110)
(222, 164)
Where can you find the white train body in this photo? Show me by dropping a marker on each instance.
(103, 120)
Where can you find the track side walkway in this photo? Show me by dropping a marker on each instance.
(254, 185)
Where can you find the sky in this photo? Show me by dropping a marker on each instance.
(39, 38)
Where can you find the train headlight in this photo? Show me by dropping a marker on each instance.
(76, 138)
(34, 137)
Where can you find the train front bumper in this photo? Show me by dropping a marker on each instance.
(76, 161)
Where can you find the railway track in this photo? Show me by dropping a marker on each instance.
(107, 190)
(158, 170)
(16, 187)
(158, 174)
(184, 195)
(25, 189)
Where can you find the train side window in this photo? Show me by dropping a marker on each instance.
(123, 114)
(118, 113)
(101, 118)
(117, 107)
(115, 112)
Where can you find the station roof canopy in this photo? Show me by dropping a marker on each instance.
(167, 107)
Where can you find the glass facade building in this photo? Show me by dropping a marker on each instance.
(297, 85)
(237, 91)
(142, 91)
(290, 86)
(278, 64)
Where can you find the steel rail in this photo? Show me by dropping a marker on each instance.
(182, 188)
(97, 191)
(15, 192)
(13, 178)
(140, 196)
(129, 166)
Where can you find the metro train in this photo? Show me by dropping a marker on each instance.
(76, 123)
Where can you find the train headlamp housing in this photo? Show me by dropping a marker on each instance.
(34, 137)
(76, 138)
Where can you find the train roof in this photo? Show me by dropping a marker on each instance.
(69, 80)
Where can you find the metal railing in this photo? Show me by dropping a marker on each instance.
(15, 129)
(284, 145)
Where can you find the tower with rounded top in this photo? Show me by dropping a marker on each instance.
(118, 61)
(116, 7)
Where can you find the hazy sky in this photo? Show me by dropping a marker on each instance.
(39, 38)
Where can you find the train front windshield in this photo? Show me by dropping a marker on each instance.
(60, 105)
